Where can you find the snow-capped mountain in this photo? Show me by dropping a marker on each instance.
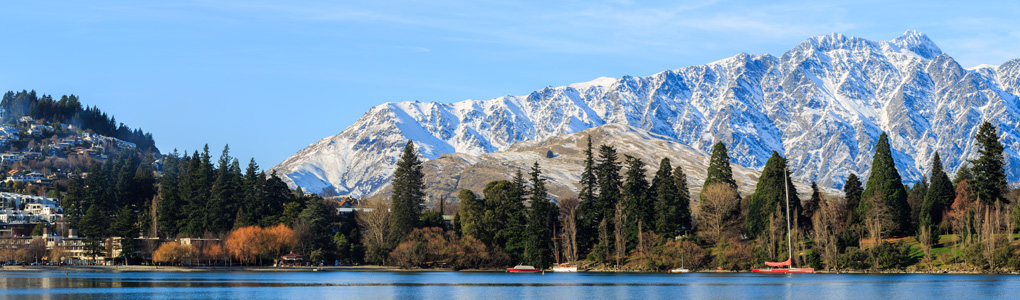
(822, 104)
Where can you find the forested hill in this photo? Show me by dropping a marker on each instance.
(68, 110)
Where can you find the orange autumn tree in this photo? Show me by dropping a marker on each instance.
(172, 252)
(247, 243)
(279, 238)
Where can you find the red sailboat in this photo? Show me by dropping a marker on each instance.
(785, 267)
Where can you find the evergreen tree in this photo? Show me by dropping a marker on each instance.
(195, 189)
(589, 214)
(126, 227)
(939, 197)
(541, 220)
(719, 170)
(636, 202)
(768, 194)
(218, 217)
(470, 216)
(317, 217)
(989, 168)
(254, 203)
(665, 196)
(74, 202)
(96, 192)
(915, 199)
(885, 184)
(963, 173)
(170, 207)
(852, 191)
(275, 195)
(93, 225)
(683, 201)
(408, 194)
(504, 218)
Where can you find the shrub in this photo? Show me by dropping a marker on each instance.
(892, 255)
(854, 259)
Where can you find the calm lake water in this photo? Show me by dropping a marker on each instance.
(492, 285)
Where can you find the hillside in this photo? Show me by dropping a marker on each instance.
(448, 174)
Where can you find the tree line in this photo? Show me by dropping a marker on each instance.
(195, 197)
(622, 220)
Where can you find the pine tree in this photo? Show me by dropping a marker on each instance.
(276, 194)
(768, 194)
(317, 216)
(589, 214)
(667, 222)
(637, 205)
(170, 208)
(609, 181)
(541, 219)
(963, 173)
(683, 201)
(886, 184)
(195, 192)
(408, 194)
(93, 225)
(126, 227)
(852, 191)
(989, 168)
(254, 183)
(224, 190)
(719, 170)
(939, 197)
(73, 201)
(504, 219)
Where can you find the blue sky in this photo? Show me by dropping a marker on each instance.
(271, 77)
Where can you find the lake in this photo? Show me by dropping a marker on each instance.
(495, 285)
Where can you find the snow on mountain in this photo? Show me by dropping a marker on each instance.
(822, 104)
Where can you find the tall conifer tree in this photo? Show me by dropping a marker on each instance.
(589, 214)
(989, 167)
(852, 191)
(665, 200)
(636, 202)
(886, 184)
(939, 197)
(683, 201)
(768, 194)
(408, 194)
(541, 219)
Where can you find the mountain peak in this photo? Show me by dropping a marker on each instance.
(919, 43)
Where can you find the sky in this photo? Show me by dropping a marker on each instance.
(271, 77)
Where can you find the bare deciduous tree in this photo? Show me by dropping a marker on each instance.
(719, 213)
(568, 215)
(829, 222)
(373, 217)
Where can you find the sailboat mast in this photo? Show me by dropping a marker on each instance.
(789, 235)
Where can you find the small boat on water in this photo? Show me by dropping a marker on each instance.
(679, 270)
(565, 268)
(522, 269)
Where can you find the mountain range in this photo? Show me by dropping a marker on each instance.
(822, 104)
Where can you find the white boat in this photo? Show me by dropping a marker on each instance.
(564, 268)
(679, 270)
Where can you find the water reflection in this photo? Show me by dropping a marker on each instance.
(474, 285)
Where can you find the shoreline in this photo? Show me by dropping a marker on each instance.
(262, 269)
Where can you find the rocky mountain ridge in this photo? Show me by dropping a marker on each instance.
(822, 104)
